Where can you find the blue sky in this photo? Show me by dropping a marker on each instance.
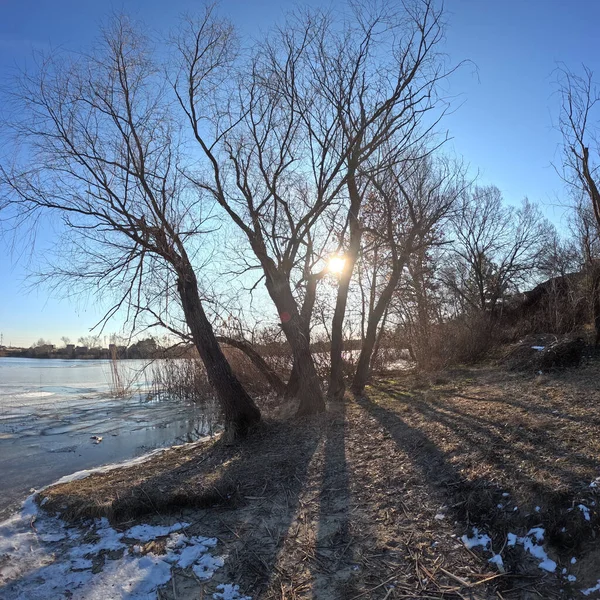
(503, 127)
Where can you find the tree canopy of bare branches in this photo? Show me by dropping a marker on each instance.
(102, 150)
(496, 248)
(579, 126)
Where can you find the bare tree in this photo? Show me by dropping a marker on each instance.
(376, 103)
(578, 125)
(585, 232)
(103, 153)
(289, 140)
(579, 97)
(419, 303)
(89, 341)
(261, 165)
(405, 210)
(496, 248)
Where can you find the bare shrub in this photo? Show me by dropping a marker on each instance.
(251, 378)
(118, 387)
(466, 339)
(181, 379)
(122, 376)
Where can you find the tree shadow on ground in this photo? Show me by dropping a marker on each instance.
(504, 444)
(332, 564)
(272, 477)
(487, 500)
(546, 411)
(307, 550)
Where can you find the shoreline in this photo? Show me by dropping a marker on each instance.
(416, 477)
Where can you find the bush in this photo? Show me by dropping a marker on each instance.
(186, 379)
(243, 368)
(467, 339)
(181, 379)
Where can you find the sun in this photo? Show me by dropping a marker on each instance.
(336, 264)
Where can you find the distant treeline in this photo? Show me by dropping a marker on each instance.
(147, 348)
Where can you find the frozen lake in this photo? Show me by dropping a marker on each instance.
(50, 409)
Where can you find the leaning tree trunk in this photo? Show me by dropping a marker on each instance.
(378, 340)
(239, 409)
(257, 360)
(336, 388)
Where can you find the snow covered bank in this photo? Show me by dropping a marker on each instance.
(42, 557)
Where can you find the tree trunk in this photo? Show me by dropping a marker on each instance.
(296, 332)
(378, 340)
(239, 409)
(596, 301)
(423, 333)
(293, 384)
(594, 195)
(361, 376)
(309, 388)
(257, 360)
(336, 388)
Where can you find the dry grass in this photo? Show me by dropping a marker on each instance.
(344, 505)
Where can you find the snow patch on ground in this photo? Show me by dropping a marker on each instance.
(42, 557)
(591, 590)
(497, 560)
(145, 533)
(477, 539)
(206, 566)
(530, 542)
(229, 592)
(585, 510)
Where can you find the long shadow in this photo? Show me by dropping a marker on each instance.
(471, 501)
(486, 427)
(430, 460)
(333, 539)
(477, 500)
(468, 424)
(531, 408)
(281, 477)
(265, 466)
(273, 461)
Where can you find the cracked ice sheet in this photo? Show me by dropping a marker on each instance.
(45, 559)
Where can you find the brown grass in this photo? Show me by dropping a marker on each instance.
(344, 505)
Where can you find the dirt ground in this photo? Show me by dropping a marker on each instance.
(371, 500)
